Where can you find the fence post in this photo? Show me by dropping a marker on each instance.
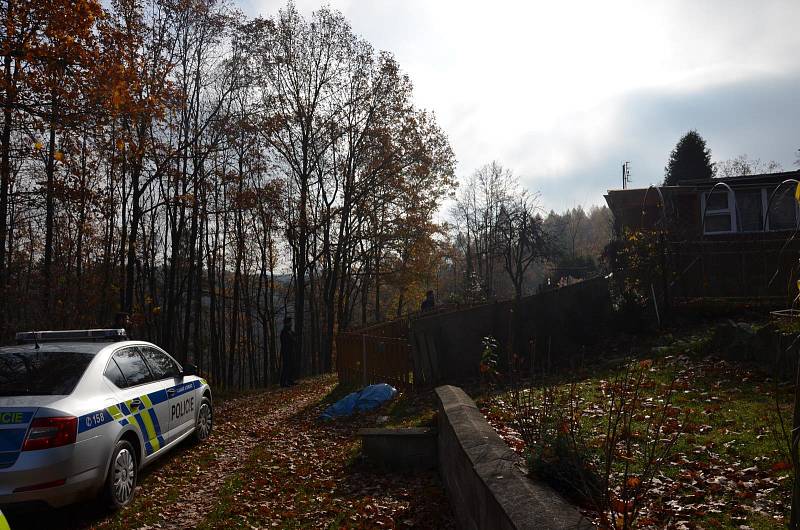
(363, 360)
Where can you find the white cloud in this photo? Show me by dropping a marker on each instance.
(542, 86)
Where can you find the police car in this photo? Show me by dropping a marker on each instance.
(81, 412)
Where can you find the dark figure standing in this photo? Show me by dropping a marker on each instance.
(428, 304)
(287, 353)
(122, 321)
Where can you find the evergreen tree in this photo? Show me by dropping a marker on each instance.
(690, 159)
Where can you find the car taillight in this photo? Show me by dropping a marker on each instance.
(46, 433)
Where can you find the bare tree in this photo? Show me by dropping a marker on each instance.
(522, 238)
(476, 212)
(741, 166)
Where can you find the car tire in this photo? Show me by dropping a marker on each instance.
(123, 472)
(204, 422)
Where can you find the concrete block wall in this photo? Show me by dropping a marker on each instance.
(484, 478)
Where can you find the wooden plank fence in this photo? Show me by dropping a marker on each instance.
(745, 269)
(363, 359)
(426, 349)
(381, 353)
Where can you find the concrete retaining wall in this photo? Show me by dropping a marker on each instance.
(401, 449)
(484, 479)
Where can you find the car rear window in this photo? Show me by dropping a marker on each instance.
(32, 373)
(114, 374)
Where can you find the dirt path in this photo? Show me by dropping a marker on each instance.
(310, 474)
(269, 463)
(186, 488)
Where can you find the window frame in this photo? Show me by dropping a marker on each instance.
(764, 198)
(730, 211)
(767, 227)
(734, 214)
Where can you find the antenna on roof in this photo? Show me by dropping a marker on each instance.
(36, 339)
(626, 174)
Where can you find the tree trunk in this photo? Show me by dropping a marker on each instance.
(49, 215)
(9, 100)
(183, 352)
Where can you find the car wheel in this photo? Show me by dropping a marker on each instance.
(122, 474)
(205, 421)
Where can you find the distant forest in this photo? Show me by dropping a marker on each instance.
(210, 174)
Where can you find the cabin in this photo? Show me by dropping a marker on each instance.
(729, 238)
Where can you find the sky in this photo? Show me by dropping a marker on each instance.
(563, 92)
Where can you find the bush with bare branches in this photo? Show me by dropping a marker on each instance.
(601, 446)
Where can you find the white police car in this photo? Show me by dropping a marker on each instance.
(81, 412)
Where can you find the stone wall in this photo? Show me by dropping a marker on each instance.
(484, 479)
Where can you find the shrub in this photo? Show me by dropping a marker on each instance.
(605, 451)
(636, 265)
(489, 360)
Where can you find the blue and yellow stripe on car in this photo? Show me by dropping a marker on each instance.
(147, 421)
(115, 412)
(144, 417)
(3, 522)
(124, 408)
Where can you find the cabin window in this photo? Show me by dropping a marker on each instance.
(724, 215)
(719, 212)
(751, 205)
(783, 210)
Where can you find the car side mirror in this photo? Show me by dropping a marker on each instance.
(189, 369)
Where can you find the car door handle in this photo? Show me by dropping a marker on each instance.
(170, 392)
(136, 403)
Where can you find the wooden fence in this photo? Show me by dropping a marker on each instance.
(363, 359)
(746, 269)
(393, 328)
(382, 352)
(427, 349)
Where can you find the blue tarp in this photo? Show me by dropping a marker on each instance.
(367, 398)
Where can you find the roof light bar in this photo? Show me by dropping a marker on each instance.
(73, 335)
